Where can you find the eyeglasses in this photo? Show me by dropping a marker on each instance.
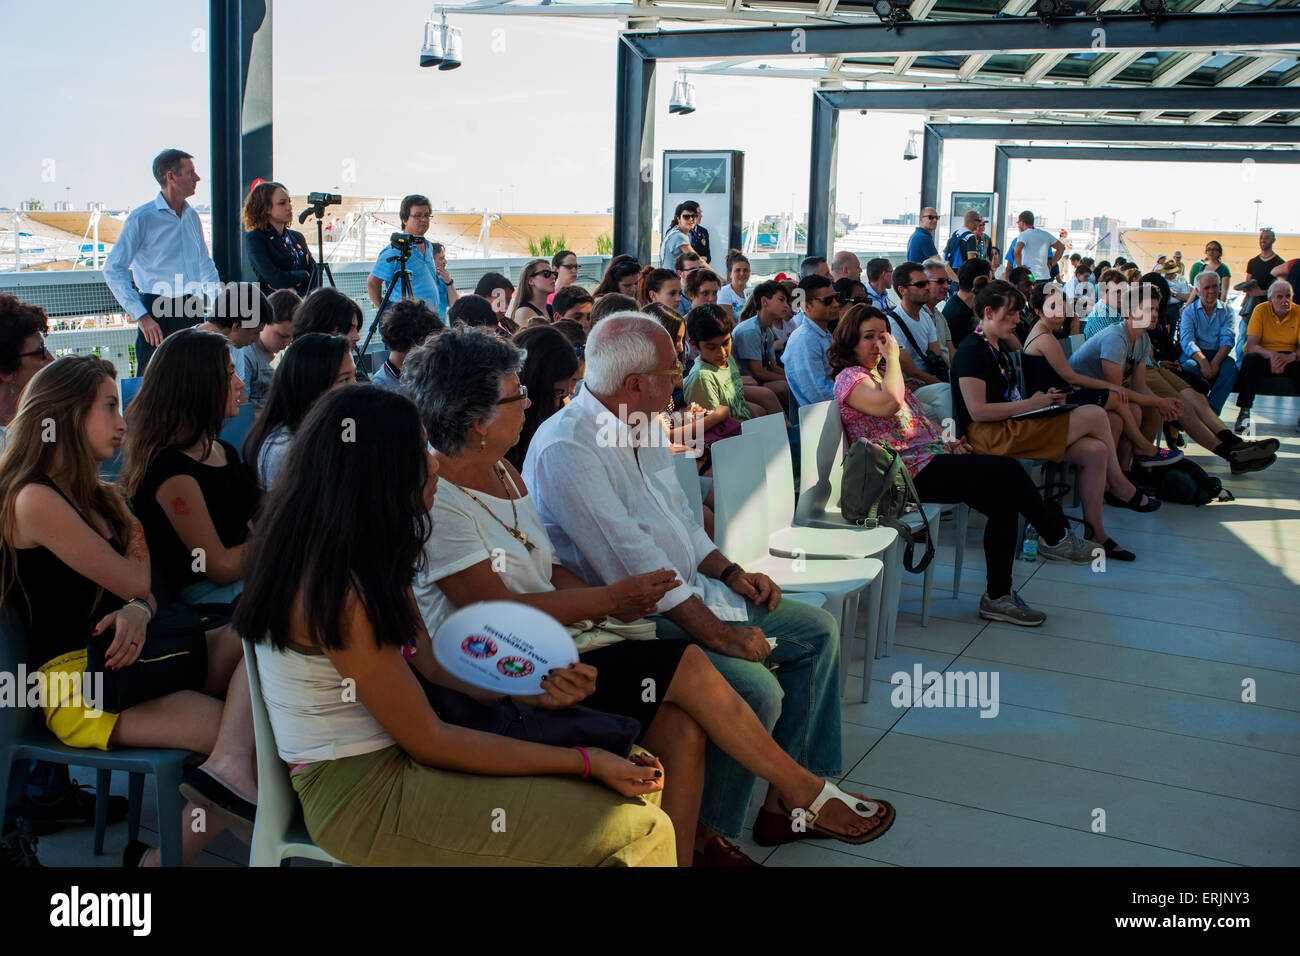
(570, 265)
(41, 353)
(521, 397)
(675, 370)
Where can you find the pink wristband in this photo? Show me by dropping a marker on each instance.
(586, 762)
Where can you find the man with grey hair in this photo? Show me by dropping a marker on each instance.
(845, 265)
(602, 476)
(159, 270)
(1272, 349)
(936, 274)
(1205, 330)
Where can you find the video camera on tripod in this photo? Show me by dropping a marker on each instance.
(316, 203)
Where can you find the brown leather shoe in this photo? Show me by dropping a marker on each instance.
(719, 852)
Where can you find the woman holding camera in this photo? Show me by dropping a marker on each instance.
(279, 255)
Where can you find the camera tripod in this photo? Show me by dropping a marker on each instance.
(402, 276)
(320, 269)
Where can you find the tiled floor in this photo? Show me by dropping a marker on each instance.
(1121, 736)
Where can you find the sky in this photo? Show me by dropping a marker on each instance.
(94, 91)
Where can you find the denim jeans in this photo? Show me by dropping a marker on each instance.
(1221, 386)
(210, 592)
(798, 702)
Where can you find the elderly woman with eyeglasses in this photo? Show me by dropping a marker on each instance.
(489, 543)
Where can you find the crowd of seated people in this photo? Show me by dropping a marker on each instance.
(475, 471)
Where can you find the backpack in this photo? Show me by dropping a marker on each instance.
(952, 251)
(1182, 483)
(875, 490)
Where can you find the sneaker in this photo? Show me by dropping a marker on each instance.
(1162, 457)
(18, 848)
(1070, 548)
(1251, 451)
(1010, 609)
(74, 807)
(1270, 445)
(1246, 467)
(1243, 425)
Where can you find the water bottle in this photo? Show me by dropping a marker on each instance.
(1029, 552)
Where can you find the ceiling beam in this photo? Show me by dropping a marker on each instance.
(1068, 98)
(1110, 132)
(1140, 154)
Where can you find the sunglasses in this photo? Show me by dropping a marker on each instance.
(689, 215)
(547, 273)
(915, 285)
(521, 397)
(929, 217)
(825, 299)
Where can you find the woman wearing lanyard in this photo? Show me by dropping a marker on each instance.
(279, 255)
(986, 399)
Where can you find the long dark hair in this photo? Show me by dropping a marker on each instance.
(326, 310)
(181, 401)
(346, 519)
(619, 268)
(550, 359)
(306, 372)
(997, 294)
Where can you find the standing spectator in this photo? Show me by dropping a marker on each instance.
(311, 366)
(733, 295)
(807, 369)
(678, 237)
(1260, 269)
(565, 264)
(845, 265)
(22, 354)
(1205, 330)
(573, 302)
(427, 265)
(1036, 248)
(272, 339)
(954, 252)
(532, 298)
(755, 341)
(976, 245)
(187, 486)
(621, 276)
(959, 309)
(1214, 262)
(405, 326)
(699, 236)
(279, 255)
(880, 279)
(163, 250)
(920, 245)
(1272, 348)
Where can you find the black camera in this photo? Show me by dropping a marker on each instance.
(316, 203)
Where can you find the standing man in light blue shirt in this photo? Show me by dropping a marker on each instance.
(807, 368)
(1206, 328)
(159, 270)
(427, 265)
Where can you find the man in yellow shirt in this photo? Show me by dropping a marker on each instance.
(1272, 349)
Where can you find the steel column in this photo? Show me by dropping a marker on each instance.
(1002, 196)
(634, 127)
(931, 170)
(822, 177)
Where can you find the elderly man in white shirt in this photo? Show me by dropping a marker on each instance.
(602, 475)
(163, 250)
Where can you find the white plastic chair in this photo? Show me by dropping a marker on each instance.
(689, 479)
(788, 540)
(279, 832)
(821, 443)
(741, 531)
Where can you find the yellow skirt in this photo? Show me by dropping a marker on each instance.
(1042, 438)
(69, 715)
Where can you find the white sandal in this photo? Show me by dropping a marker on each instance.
(865, 809)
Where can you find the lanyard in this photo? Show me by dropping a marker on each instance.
(1012, 393)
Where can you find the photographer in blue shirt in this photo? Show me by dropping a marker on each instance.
(428, 264)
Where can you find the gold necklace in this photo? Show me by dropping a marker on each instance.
(514, 511)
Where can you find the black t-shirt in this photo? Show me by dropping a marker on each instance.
(979, 245)
(961, 318)
(974, 359)
(1262, 272)
(229, 492)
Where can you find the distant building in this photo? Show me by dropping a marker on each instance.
(1152, 223)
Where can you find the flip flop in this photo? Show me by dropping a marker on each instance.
(866, 809)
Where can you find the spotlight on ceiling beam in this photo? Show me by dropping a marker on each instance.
(892, 12)
(683, 99)
(1154, 9)
(1049, 11)
(443, 44)
(909, 150)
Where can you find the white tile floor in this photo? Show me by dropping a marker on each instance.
(1126, 705)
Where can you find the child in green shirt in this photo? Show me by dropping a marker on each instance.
(714, 381)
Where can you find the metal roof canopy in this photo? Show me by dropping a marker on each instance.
(1002, 155)
(638, 53)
